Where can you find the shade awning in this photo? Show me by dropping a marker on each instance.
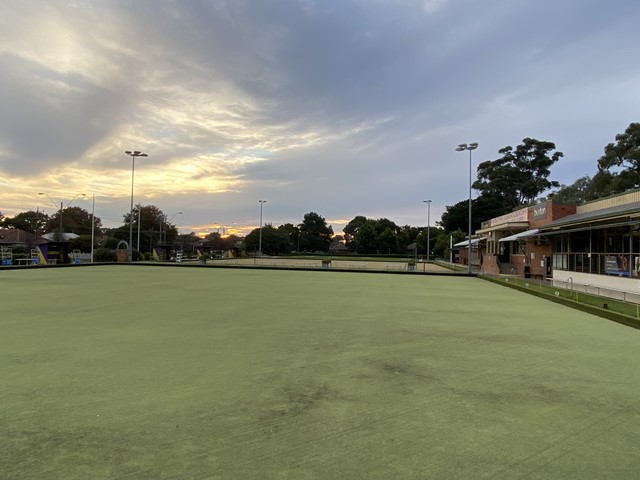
(526, 233)
(465, 243)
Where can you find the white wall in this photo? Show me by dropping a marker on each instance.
(562, 278)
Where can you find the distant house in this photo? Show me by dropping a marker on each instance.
(14, 238)
(338, 246)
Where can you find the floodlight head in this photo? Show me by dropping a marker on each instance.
(143, 155)
(460, 149)
(462, 146)
(472, 146)
(128, 152)
(426, 201)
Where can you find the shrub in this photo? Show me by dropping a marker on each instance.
(104, 255)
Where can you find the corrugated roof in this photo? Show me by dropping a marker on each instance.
(503, 226)
(465, 243)
(14, 235)
(630, 209)
(510, 238)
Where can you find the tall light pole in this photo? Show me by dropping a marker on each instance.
(93, 210)
(260, 237)
(461, 148)
(133, 154)
(428, 202)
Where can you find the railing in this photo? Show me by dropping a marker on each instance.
(598, 291)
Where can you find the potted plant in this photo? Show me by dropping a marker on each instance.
(326, 262)
(411, 265)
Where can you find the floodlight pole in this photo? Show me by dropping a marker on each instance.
(93, 210)
(133, 154)
(428, 202)
(460, 148)
(262, 202)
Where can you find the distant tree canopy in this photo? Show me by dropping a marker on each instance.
(483, 208)
(219, 243)
(274, 241)
(74, 220)
(520, 175)
(154, 227)
(293, 234)
(29, 221)
(382, 236)
(512, 181)
(619, 167)
(315, 234)
(580, 191)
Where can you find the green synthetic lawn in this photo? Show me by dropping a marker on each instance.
(117, 372)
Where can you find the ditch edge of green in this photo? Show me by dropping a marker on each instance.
(600, 312)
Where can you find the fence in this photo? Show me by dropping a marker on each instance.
(574, 291)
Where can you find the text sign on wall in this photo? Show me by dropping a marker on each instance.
(517, 216)
(540, 211)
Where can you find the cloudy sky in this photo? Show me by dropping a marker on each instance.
(340, 107)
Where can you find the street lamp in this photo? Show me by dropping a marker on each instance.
(133, 154)
(62, 207)
(461, 148)
(260, 236)
(428, 202)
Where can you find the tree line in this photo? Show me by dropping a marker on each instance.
(517, 178)
(521, 175)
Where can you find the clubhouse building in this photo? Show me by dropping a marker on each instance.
(595, 244)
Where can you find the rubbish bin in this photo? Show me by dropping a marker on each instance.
(527, 271)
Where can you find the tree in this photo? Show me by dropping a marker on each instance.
(274, 241)
(315, 233)
(351, 231)
(366, 239)
(520, 175)
(386, 241)
(74, 220)
(292, 232)
(483, 208)
(619, 167)
(580, 191)
(82, 243)
(154, 227)
(187, 242)
(29, 221)
(214, 241)
(441, 248)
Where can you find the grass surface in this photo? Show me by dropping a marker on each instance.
(120, 372)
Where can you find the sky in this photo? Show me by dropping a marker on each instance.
(338, 107)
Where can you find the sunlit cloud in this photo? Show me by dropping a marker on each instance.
(342, 108)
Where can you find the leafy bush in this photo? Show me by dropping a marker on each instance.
(104, 255)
